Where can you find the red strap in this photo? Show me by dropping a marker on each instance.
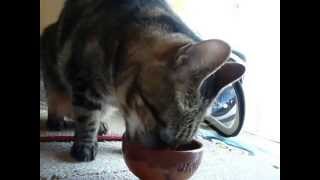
(72, 138)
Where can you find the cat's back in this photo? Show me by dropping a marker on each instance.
(106, 14)
(77, 11)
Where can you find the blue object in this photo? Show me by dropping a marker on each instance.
(209, 135)
(224, 103)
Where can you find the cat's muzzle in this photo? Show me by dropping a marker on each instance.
(168, 137)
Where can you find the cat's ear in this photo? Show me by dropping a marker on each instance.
(195, 62)
(203, 57)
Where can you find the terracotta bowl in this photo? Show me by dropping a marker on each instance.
(162, 164)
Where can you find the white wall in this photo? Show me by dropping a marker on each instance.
(49, 12)
(252, 27)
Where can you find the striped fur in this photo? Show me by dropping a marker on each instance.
(137, 55)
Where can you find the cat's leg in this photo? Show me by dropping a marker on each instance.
(103, 128)
(87, 116)
(59, 107)
(59, 102)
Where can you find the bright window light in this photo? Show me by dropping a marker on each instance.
(253, 28)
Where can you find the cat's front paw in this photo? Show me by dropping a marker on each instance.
(84, 152)
(103, 128)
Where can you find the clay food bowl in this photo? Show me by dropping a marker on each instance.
(162, 164)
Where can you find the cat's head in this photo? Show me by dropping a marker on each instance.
(169, 98)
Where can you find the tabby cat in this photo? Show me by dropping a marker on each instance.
(139, 56)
